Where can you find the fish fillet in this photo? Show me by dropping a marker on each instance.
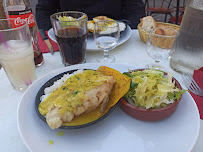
(96, 97)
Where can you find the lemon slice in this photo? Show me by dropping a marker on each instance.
(82, 17)
(65, 21)
(66, 18)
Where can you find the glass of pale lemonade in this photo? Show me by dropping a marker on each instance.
(16, 53)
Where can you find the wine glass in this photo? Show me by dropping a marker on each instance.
(106, 36)
(161, 43)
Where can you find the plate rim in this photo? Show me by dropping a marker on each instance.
(93, 64)
(98, 49)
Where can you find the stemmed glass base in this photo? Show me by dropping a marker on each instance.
(156, 66)
(104, 59)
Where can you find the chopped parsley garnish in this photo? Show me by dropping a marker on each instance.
(77, 77)
(76, 92)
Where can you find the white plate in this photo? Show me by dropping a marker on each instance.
(91, 46)
(118, 132)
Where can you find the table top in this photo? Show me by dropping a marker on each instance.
(132, 52)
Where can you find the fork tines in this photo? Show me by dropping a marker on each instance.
(192, 85)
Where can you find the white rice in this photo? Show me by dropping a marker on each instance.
(57, 84)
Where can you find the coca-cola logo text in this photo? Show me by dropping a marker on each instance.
(29, 20)
(19, 19)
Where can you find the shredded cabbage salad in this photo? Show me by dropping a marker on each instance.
(150, 88)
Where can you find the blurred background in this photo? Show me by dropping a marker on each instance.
(163, 7)
(158, 16)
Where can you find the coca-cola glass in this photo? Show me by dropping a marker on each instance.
(16, 54)
(70, 29)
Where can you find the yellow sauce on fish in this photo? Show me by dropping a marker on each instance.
(72, 92)
(85, 118)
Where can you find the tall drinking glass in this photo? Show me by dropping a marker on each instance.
(70, 29)
(189, 52)
(161, 43)
(106, 36)
(16, 54)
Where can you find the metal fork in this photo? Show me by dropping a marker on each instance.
(192, 85)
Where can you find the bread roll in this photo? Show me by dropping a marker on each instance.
(165, 32)
(168, 32)
(159, 31)
(148, 23)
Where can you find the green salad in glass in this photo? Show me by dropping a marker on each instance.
(152, 89)
(69, 20)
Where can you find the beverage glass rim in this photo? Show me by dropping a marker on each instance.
(15, 53)
(167, 36)
(107, 26)
(55, 14)
(14, 28)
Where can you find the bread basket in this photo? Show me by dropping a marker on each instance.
(163, 43)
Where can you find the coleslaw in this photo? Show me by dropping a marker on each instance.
(150, 88)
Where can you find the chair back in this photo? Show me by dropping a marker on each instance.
(156, 3)
(184, 3)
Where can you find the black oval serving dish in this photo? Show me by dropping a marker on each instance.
(51, 82)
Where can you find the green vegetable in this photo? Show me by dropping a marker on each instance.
(128, 74)
(76, 92)
(68, 21)
(176, 95)
(133, 85)
(150, 88)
